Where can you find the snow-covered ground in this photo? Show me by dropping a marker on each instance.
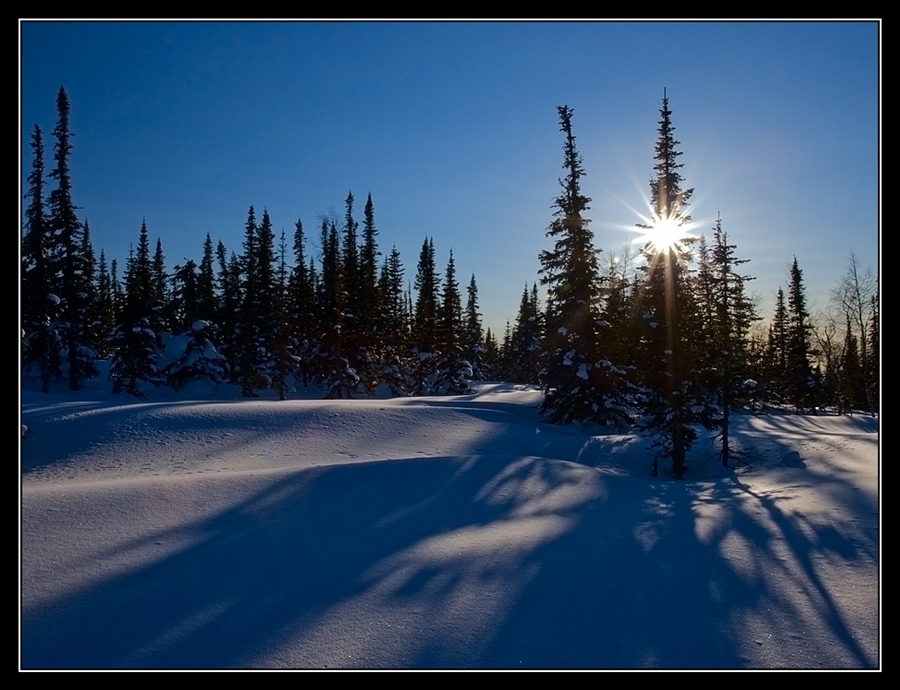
(206, 531)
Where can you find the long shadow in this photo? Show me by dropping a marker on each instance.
(484, 561)
(260, 572)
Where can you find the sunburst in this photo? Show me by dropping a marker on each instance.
(664, 234)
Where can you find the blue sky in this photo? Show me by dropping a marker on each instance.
(452, 127)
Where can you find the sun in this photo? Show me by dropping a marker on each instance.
(664, 234)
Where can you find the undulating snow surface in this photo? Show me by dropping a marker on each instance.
(206, 531)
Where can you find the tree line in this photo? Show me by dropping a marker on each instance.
(667, 342)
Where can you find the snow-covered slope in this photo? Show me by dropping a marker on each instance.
(436, 533)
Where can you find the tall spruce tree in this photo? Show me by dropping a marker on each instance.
(42, 346)
(474, 331)
(206, 283)
(136, 341)
(801, 385)
(283, 360)
(229, 289)
(776, 355)
(368, 269)
(524, 364)
(672, 397)
(254, 328)
(247, 363)
(66, 253)
(93, 333)
(339, 378)
(580, 384)
(106, 305)
(733, 315)
(453, 370)
(424, 329)
(393, 325)
(303, 307)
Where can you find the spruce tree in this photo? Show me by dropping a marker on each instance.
(93, 335)
(303, 307)
(184, 306)
(733, 314)
(339, 378)
(137, 341)
(672, 396)
(160, 283)
(393, 318)
(206, 283)
(246, 360)
(580, 384)
(359, 338)
(801, 385)
(368, 268)
(66, 253)
(229, 288)
(282, 351)
(350, 323)
(424, 329)
(525, 341)
(776, 356)
(474, 331)
(106, 305)
(453, 371)
(616, 323)
(873, 360)
(491, 358)
(852, 378)
(254, 331)
(42, 346)
(853, 295)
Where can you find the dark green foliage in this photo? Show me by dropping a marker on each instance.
(361, 337)
(137, 340)
(776, 355)
(229, 289)
(732, 314)
(800, 384)
(667, 198)
(580, 384)
(104, 312)
(41, 344)
(393, 320)
(425, 324)
(474, 339)
(303, 307)
(673, 395)
(282, 358)
(524, 357)
(184, 307)
(206, 283)
(255, 325)
(67, 261)
(452, 370)
(368, 271)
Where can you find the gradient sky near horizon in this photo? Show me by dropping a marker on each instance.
(453, 129)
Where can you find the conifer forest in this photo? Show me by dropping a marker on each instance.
(669, 343)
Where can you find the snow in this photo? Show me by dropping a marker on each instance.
(201, 530)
